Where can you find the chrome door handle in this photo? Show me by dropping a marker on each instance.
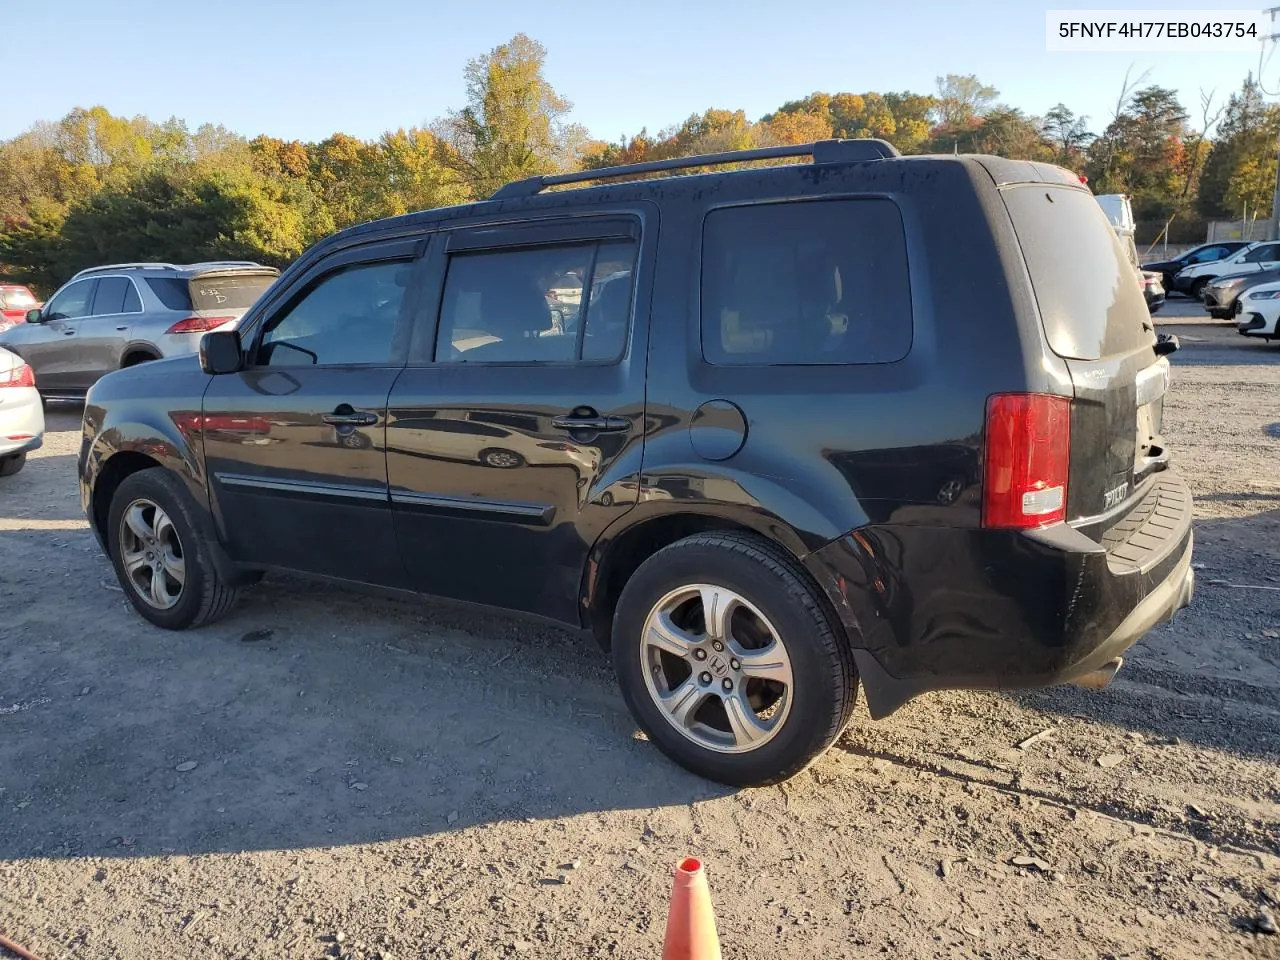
(350, 419)
(592, 424)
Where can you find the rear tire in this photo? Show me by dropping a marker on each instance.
(1197, 288)
(780, 656)
(12, 464)
(160, 555)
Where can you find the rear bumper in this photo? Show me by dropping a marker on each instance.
(933, 608)
(21, 421)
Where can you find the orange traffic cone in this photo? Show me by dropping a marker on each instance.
(691, 926)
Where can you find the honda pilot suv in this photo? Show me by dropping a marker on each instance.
(863, 421)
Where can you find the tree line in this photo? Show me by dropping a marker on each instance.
(94, 187)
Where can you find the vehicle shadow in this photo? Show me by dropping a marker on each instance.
(1214, 672)
(310, 717)
(44, 491)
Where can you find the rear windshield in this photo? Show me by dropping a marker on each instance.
(237, 292)
(16, 299)
(1090, 301)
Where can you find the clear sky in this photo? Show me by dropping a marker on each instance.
(306, 68)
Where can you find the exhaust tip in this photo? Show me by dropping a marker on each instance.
(1101, 678)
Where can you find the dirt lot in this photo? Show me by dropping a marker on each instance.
(377, 778)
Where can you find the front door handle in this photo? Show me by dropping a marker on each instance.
(350, 419)
(592, 424)
(68, 333)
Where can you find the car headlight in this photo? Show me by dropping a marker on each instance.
(1262, 295)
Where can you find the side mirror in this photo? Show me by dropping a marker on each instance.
(220, 352)
(34, 316)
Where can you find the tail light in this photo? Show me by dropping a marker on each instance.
(1028, 452)
(22, 376)
(198, 324)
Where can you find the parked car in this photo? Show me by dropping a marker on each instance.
(117, 316)
(1260, 312)
(21, 413)
(1221, 296)
(1152, 290)
(773, 489)
(15, 302)
(1256, 256)
(1205, 253)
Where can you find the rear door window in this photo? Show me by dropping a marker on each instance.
(1090, 302)
(110, 296)
(814, 282)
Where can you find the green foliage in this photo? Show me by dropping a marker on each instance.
(513, 125)
(1243, 157)
(1141, 153)
(95, 187)
(961, 99)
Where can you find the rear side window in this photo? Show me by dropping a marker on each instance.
(1090, 301)
(170, 291)
(815, 282)
(228, 293)
(110, 295)
(556, 304)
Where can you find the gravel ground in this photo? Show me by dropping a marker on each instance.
(325, 774)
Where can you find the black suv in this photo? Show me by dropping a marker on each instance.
(866, 420)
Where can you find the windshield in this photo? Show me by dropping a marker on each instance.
(238, 292)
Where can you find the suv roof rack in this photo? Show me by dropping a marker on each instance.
(822, 151)
(125, 266)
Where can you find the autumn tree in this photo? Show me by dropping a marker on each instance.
(514, 124)
(961, 98)
(1068, 135)
(1243, 156)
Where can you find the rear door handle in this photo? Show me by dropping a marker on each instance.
(592, 424)
(353, 419)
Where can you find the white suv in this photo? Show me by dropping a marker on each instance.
(1256, 256)
(1260, 311)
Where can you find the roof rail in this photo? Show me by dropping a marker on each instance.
(124, 266)
(822, 151)
(214, 264)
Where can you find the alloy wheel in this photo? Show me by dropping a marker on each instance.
(716, 668)
(151, 554)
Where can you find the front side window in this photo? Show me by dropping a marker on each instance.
(348, 317)
(538, 304)
(815, 282)
(72, 302)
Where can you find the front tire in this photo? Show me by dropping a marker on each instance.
(160, 555)
(1196, 292)
(12, 464)
(729, 661)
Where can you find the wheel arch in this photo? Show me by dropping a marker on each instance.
(619, 552)
(138, 351)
